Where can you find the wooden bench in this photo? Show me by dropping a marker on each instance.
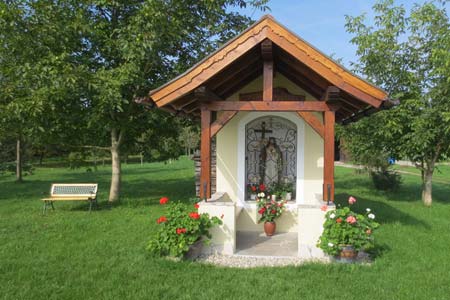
(71, 192)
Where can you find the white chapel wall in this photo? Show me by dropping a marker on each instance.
(228, 177)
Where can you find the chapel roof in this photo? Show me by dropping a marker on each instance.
(240, 61)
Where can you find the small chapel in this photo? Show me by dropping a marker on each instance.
(268, 102)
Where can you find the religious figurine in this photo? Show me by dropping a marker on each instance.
(271, 158)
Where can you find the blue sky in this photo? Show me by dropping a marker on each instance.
(322, 22)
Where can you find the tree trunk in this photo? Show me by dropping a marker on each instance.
(19, 160)
(41, 158)
(142, 159)
(114, 192)
(427, 187)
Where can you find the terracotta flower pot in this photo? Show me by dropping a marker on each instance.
(348, 252)
(195, 250)
(269, 228)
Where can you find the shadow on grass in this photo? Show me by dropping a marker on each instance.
(378, 250)
(409, 191)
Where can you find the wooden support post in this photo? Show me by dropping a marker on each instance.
(205, 154)
(328, 156)
(312, 121)
(266, 52)
(222, 121)
(268, 81)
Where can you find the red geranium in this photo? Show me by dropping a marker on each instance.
(262, 187)
(161, 220)
(181, 230)
(163, 200)
(339, 220)
(253, 188)
(262, 210)
(194, 215)
(273, 211)
(196, 205)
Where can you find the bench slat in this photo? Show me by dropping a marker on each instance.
(73, 189)
(68, 199)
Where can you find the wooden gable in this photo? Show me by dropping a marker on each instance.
(244, 58)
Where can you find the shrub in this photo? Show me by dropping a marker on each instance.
(386, 180)
(76, 160)
(10, 167)
(179, 228)
(344, 227)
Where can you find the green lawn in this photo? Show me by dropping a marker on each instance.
(71, 254)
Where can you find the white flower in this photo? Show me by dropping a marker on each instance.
(332, 216)
(368, 209)
(330, 245)
(371, 216)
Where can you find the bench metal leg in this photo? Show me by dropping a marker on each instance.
(47, 203)
(92, 202)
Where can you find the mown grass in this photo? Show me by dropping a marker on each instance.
(71, 254)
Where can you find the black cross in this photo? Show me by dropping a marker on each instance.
(262, 157)
(263, 130)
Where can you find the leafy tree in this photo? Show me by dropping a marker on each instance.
(132, 47)
(407, 54)
(37, 72)
(72, 70)
(190, 138)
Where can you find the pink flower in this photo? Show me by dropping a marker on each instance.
(351, 200)
(351, 220)
(339, 220)
(324, 208)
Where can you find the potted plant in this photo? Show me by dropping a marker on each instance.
(181, 230)
(345, 232)
(269, 211)
(276, 191)
(253, 191)
(287, 189)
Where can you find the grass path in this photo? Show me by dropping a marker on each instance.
(71, 254)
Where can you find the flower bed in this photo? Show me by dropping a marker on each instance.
(180, 228)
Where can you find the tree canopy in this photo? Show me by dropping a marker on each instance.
(407, 54)
(70, 71)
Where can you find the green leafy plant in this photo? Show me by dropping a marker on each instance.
(179, 228)
(270, 209)
(343, 227)
(281, 189)
(386, 180)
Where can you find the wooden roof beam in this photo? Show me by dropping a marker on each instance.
(268, 106)
(204, 94)
(267, 55)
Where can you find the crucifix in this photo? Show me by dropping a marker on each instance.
(262, 157)
(263, 131)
